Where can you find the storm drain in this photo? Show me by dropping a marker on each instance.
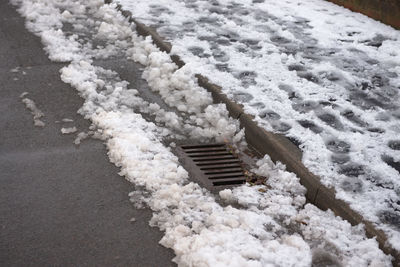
(212, 165)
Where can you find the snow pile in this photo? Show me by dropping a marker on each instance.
(316, 72)
(261, 227)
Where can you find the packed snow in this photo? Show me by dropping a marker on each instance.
(258, 225)
(324, 76)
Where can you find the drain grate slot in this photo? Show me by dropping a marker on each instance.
(219, 166)
(208, 154)
(190, 151)
(212, 165)
(212, 157)
(220, 162)
(203, 146)
(225, 176)
(229, 182)
(230, 170)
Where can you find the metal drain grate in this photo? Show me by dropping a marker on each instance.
(212, 165)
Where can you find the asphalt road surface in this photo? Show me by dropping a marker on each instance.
(60, 204)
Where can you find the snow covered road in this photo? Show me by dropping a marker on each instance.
(257, 226)
(326, 77)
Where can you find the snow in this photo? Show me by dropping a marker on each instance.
(318, 73)
(35, 111)
(68, 130)
(226, 195)
(262, 226)
(23, 94)
(15, 70)
(80, 137)
(315, 226)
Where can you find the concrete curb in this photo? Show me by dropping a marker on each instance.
(278, 147)
(387, 11)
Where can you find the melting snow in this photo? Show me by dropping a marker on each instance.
(68, 130)
(80, 137)
(36, 113)
(324, 76)
(275, 227)
(15, 70)
(67, 120)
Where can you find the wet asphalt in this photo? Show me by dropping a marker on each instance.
(60, 204)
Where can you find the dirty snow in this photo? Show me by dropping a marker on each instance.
(273, 228)
(324, 76)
